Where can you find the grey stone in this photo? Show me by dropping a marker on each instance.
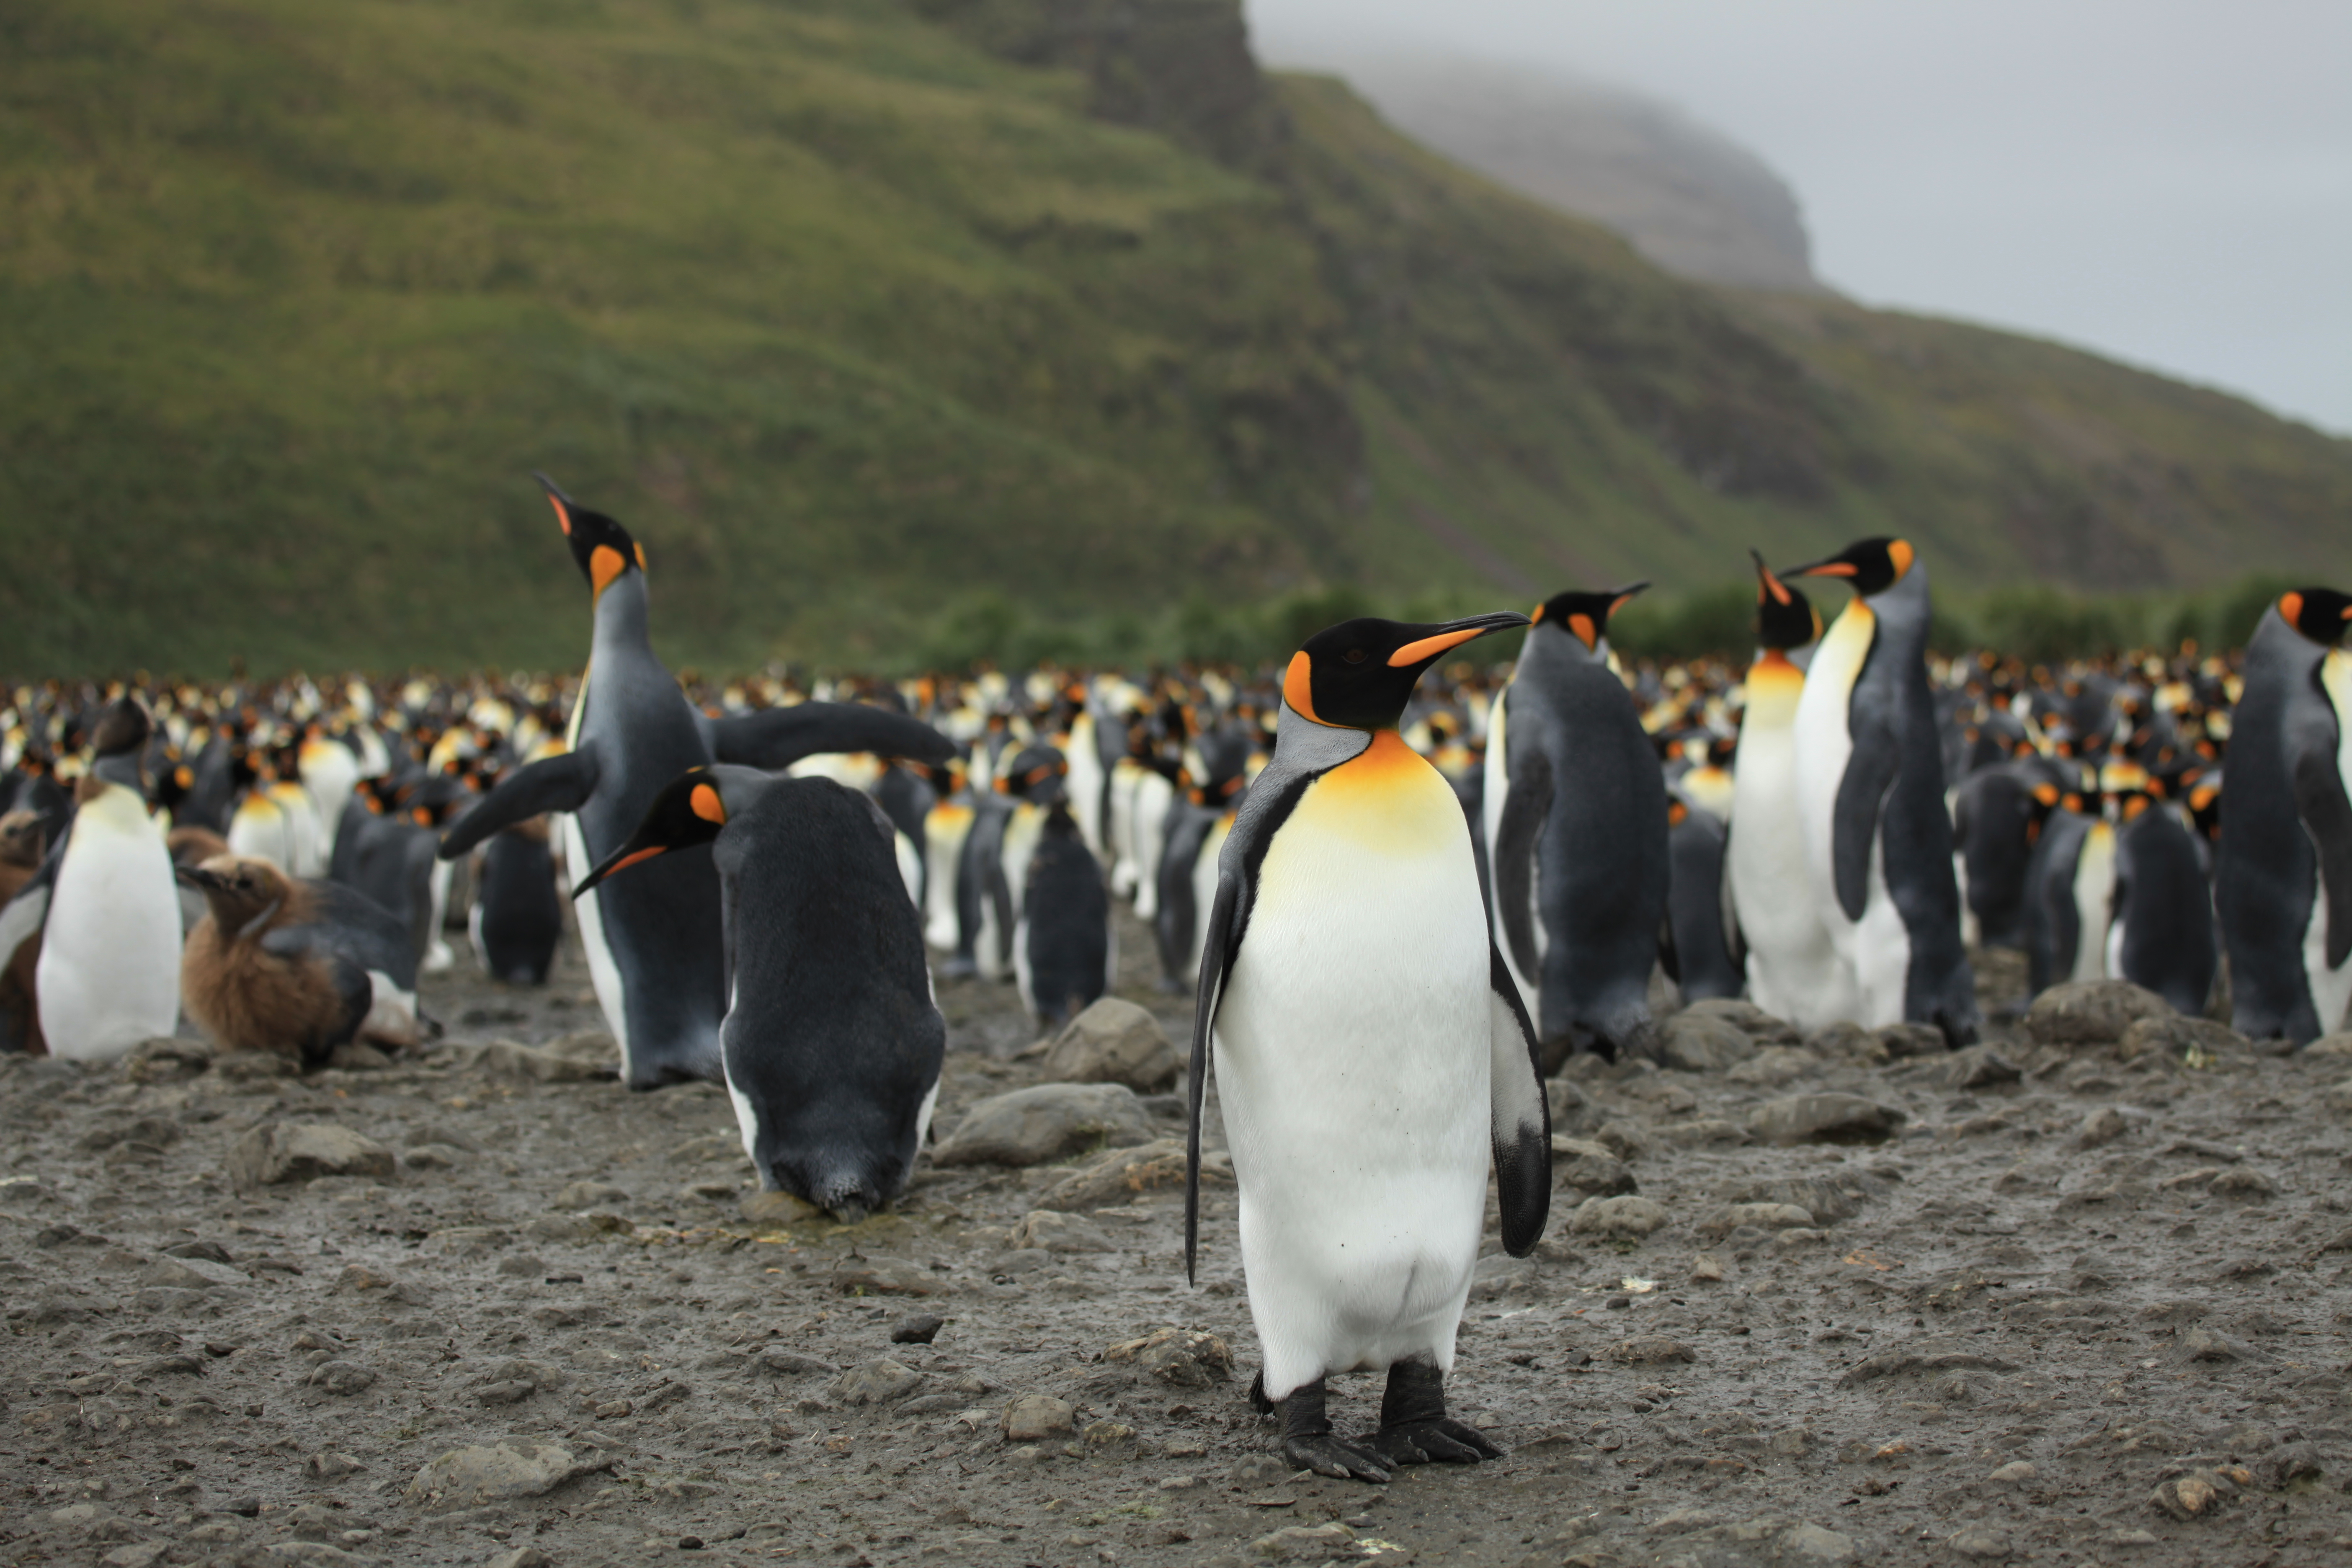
(1305, 1543)
(190, 1274)
(879, 1381)
(778, 1208)
(1911, 1040)
(1721, 1222)
(1057, 1232)
(580, 1195)
(2102, 1127)
(1703, 1130)
(1749, 1018)
(1590, 1168)
(1121, 1175)
(1978, 1542)
(341, 1377)
(1846, 1041)
(1618, 1216)
(433, 1157)
(1775, 1064)
(1838, 1195)
(1035, 1417)
(278, 1152)
(511, 1062)
(1923, 1356)
(167, 1060)
(1700, 1042)
(776, 1362)
(2175, 1038)
(1113, 1041)
(887, 1276)
(1031, 1126)
(1187, 1358)
(1824, 1118)
(2092, 1012)
(1978, 1066)
(479, 1474)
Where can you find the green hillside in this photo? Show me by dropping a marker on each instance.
(874, 319)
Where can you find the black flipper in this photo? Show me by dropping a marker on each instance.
(1734, 941)
(776, 738)
(552, 783)
(28, 915)
(1512, 856)
(2327, 816)
(1216, 963)
(1519, 1114)
(300, 944)
(1860, 797)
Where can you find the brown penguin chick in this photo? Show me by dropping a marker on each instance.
(24, 843)
(291, 967)
(189, 846)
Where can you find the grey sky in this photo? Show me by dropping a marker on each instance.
(2167, 183)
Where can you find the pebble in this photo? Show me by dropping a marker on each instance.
(486, 1473)
(1034, 1417)
(1722, 1221)
(580, 1195)
(1978, 1542)
(1705, 1270)
(1123, 1174)
(278, 1152)
(1050, 1121)
(1836, 1118)
(341, 1377)
(2102, 1127)
(1304, 1542)
(1186, 1358)
(2091, 1012)
(1622, 1217)
(2015, 1470)
(1113, 1041)
(921, 1330)
(1058, 1231)
(879, 1381)
(1700, 1042)
(1590, 1167)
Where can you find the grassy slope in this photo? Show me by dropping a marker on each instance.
(850, 320)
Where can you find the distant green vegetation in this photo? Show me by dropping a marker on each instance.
(890, 346)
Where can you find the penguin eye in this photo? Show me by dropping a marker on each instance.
(1355, 655)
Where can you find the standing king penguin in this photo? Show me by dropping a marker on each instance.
(1576, 834)
(1792, 967)
(2283, 881)
(1373, 1056)
(107, 908)
(1870, 785)
(654, 942)
(831, 1039)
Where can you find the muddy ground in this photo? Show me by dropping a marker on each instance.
(2051, 1298)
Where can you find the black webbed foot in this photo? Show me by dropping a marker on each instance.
(1307, 1442)
(1415, 1427)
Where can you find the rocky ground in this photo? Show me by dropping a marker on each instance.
(2078, 1297)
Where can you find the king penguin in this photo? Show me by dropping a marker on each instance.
(1373, 1056)
(831, 1039)
(2163, 932)
(2283, 881)
(106, 907)
(653, 942)
(1576, 834)
(1792, 966)
(1870, 786)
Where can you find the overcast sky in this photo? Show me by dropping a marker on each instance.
(2169, 184)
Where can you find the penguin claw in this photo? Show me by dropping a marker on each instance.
(1441, 1441)
(1326, 1456)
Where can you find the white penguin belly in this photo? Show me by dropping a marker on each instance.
(1352, 1060)
(2094, 892)
(944, 831)
(604, 974)
(2331, 989)
(109, 974)
(1153, 796)
(1794, 969)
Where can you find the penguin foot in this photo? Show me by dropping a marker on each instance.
(1441, 1441)
(1326, 1456)
(1415, 1427)
(1307, 1442)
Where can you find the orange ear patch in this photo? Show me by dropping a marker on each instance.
(706, 805)
(1298, 686)
(1582, 624)
(2291, 609)
(604, 565)
(1899, 551)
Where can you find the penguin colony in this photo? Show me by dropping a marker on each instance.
(1401, 898)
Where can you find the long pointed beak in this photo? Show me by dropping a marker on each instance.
(196, 877)
(1772, 584)
(563, 504)
(1827, 566)
(1454, 634)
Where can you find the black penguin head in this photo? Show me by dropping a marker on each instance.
(2319, 614)
(602, 546)
(1035, 774)
(1872, 565)
(116, 740)
(689, 811)
(1585, 616)
(1785, 618)
(1360, 674)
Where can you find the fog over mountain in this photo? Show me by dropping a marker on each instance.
(1688, 197)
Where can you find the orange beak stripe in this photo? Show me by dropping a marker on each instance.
(706, 805)
(1582, 624)
(1298, 686)
(625, 861)
(1828, 569)
(641, 556)
(605, 565)
(1430, 647)
(562, 515)
(1777, 589)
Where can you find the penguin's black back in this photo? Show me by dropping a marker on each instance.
(833, 1035)
(2166, 908)
(1704, 967)
(389, 861)
(2267, 873)
(2052, 923)
(1993, 815)
(1178, 920)
(1067, 912)
(520, 913)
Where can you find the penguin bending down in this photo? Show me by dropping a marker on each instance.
(832, 1041)
(1870, 786)
(1995, 813)
(653, 942)
(1791, 965)
(517, 919)
(2283, 881)
(1576, 834)
(104, 908)
(296, 967)
(1701, 963)
(1373, 1056)
(2162, 937)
